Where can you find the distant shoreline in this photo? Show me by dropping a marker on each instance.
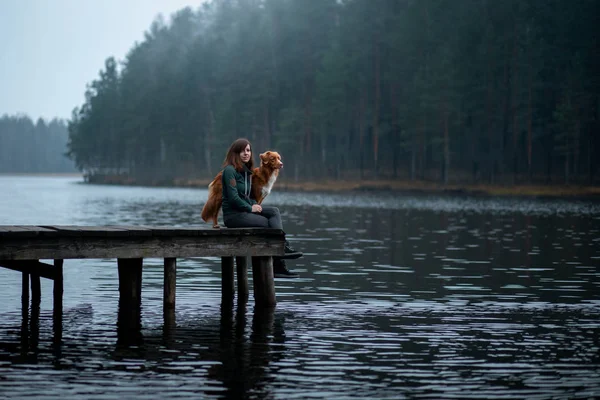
(66, 174)
(344, 186)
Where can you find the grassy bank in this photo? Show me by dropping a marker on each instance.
(524, 190)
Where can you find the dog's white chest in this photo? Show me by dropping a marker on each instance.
(267, 188)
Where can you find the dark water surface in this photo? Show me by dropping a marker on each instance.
(399, 297)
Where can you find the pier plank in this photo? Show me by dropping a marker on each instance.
(23, 231)
(73, 242)
(34, 267)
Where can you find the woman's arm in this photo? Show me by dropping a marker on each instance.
(231, 193)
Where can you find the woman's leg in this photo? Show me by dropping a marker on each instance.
(268, 218)
(273, 216)
(246, 220)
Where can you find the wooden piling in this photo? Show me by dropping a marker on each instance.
(57, 311)
(58, 287)
(227, 281)
(36, 289)
(264, 285)
(25, 290)
(242, 277)
(169, 284)
(130, 280)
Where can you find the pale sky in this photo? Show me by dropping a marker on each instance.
(50, 49)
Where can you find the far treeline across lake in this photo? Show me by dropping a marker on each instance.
(465, 91)
(27, 147)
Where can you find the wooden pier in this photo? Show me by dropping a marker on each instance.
(22, 248)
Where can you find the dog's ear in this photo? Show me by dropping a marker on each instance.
(263, 158)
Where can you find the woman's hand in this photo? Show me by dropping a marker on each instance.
(256, 208)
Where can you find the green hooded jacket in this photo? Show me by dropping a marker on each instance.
(237, 188)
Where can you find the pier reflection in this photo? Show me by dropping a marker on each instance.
(233, 347)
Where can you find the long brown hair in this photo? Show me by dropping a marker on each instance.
(233, 155)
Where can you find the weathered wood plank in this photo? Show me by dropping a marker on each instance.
(23, 231)
(131, 230)
(74, 230)
(140, 247)
(31, 267)
(125, 230)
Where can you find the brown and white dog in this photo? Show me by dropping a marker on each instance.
(263, 179)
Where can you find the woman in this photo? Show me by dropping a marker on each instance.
(240, 210)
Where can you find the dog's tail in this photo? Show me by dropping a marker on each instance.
(213, 203)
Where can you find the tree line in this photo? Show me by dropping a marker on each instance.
(28, 147)
(472, 90)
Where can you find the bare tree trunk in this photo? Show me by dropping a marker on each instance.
(576, 136)
(529, 119)
(446, 144)
(307, 122)
(376, 107)
(361, 133)
(489, 114)
(515, 120)
(506, 118)
(209, 133)
(267, 126)
(592, 128)
(413, 159)
(589, 157)
(423, 149)
(395, 129)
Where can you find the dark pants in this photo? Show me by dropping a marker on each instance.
(268, 218)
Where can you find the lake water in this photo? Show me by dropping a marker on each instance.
(400, 296)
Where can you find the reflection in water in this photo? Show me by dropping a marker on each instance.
(399, 297)
(129, 325)
(243, 368)
(226, 349)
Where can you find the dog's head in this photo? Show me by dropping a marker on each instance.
(271, 159)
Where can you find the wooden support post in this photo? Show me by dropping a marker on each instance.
(57, 309)
(169, 322)
(242, 277)
(264, 285)
(130, 281)
(36, 289)
(25, 291)
(32, 267)
(169, 284)
(227, 281)
(58, 287)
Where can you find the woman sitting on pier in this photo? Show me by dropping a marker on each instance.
(237, 203)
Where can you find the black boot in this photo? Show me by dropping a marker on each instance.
(280, 269)
(290, 253)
